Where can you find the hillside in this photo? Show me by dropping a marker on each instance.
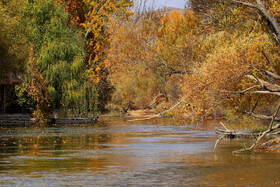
(168, 10)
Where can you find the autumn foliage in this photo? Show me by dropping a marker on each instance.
(150, 55)
(65, 68)
(220, 53)
(86, 52)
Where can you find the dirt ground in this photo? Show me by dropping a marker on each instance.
(140, 113)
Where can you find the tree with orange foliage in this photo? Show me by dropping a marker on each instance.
(159, 46)
(244, 33)
(241, 72)
(95, 18)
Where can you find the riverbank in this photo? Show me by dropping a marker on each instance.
(141, 117)
(26, 120)
(11, 120)
(141, 113)
(271, 143)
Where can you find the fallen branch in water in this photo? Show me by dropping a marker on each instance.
(270, 129)
(259, 138)
(225, 132)
(158, 115)
(218, 141)
(232, 134)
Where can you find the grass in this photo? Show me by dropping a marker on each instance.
(259, 129)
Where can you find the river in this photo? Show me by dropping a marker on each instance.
(115, 152)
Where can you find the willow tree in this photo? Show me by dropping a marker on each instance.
(56, 77)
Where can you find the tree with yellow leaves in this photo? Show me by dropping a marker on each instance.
(96, 19)
(13, 44)
(241, 72)
(159, 46)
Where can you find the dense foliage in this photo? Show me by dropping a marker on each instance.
(151, 56)
(75, 53)
(235, 73)
(222, 53)
(58, 45)
(12, 41)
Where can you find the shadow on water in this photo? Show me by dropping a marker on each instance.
(120, 153)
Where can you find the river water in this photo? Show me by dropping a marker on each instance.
(115, 152)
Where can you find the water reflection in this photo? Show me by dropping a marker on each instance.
(118, 153)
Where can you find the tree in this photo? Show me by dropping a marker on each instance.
(56, 69)
(160, 46)
(12, 41)
(242, 71)
(95, 19)
(254, 32)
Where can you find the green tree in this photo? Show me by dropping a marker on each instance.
(13, 45)
(57, 57)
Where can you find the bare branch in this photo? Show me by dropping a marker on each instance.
(239, 92)
(274, 116)
(266, 85)
(251, 92)
(265, 93)
(217, 141)
(246, 4)
(261, 116)
(275, 127)
(266, 57)
(224, 126)
(255, 106)
(270, 129)
(272, 75)
(260, 6)
(176, 72)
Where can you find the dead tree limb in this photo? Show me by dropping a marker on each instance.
(270, 129)
(261, 116)
(251, 92)
(270, 18)
(226, 132)
(274, 116)
(272, 75)
(238, 92)
(217, 141)
(275, 127)
(234, 134)
(225, 127)
(266, 85)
